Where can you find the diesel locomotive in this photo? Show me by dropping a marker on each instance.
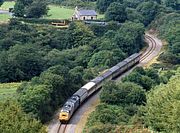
(84, 92)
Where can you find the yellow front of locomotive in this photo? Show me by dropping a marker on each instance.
(64, 117)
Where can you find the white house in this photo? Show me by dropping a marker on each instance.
(81, 14)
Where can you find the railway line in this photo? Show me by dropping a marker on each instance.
(150, 49)
(148, 54)
(62, 128)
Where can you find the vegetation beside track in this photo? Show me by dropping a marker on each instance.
(149, 116)
(47, 59)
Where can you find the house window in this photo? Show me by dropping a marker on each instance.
(84, 18)
(91, 18)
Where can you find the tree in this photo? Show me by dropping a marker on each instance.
(36, 101)
(161, 112)
(142, 80)
(37, 9)
(105, 58)
(1, 2)
(173, 3)
(153, 74)
(19, 9)
(76, 76)
(132, 3)
(102, 5)
(80, 34)
(148, 10)
(116, 12)
(134, 16)
(30, 8)
(175, 48)
(168, 57)
(14, 120)
(123, 93)
(23, 63)
(129, 37)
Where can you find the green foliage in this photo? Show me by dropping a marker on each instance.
(20, 63)
(134, 16)
(37, 9)
(102, 128)
(80, 34)
(116, 12)
(35, 100)
(105, 58)
(79, 3)
(30, 8)
(145, 78)
(132, 3)
(19, 9)
(162, 108)
(123, 93)
(172, 3)
(169, 57)
(102, 5)
(50, 58)
(8, 90)
(44, 94)
(110, 116)
(148, 10)
(1, 2)
(130, 37)
(168, 25)
(14, 120)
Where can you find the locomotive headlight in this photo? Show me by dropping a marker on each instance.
(64, 116)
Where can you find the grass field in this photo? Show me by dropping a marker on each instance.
(55, 12)
(58, 12)
(6, 5)
(8, 90)
(4, 17)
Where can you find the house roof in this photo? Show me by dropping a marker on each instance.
(87, 13)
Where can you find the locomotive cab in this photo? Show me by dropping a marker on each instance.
(66, 112)
(64, 116)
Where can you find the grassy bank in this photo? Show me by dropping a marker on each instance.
(8, 4)
(8, 90)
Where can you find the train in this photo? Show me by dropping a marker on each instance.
(72, 104)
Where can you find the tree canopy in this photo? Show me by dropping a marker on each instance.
(30, 8)
(123, 93)
(162, 108)
(1, 2)
(116, 12)
(13, 119)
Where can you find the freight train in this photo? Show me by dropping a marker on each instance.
(88, 89)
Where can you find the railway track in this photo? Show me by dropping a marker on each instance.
(146, 54)
(152, 48)
(62, 128)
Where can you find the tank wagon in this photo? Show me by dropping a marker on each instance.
(88, 89)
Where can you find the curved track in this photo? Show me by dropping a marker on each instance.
(151, 48)
(152, 51)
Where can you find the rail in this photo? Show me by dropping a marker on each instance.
(152, 48)
(62, 128)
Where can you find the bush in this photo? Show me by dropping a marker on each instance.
(123, 93)
(40, 21)
(14, 120)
